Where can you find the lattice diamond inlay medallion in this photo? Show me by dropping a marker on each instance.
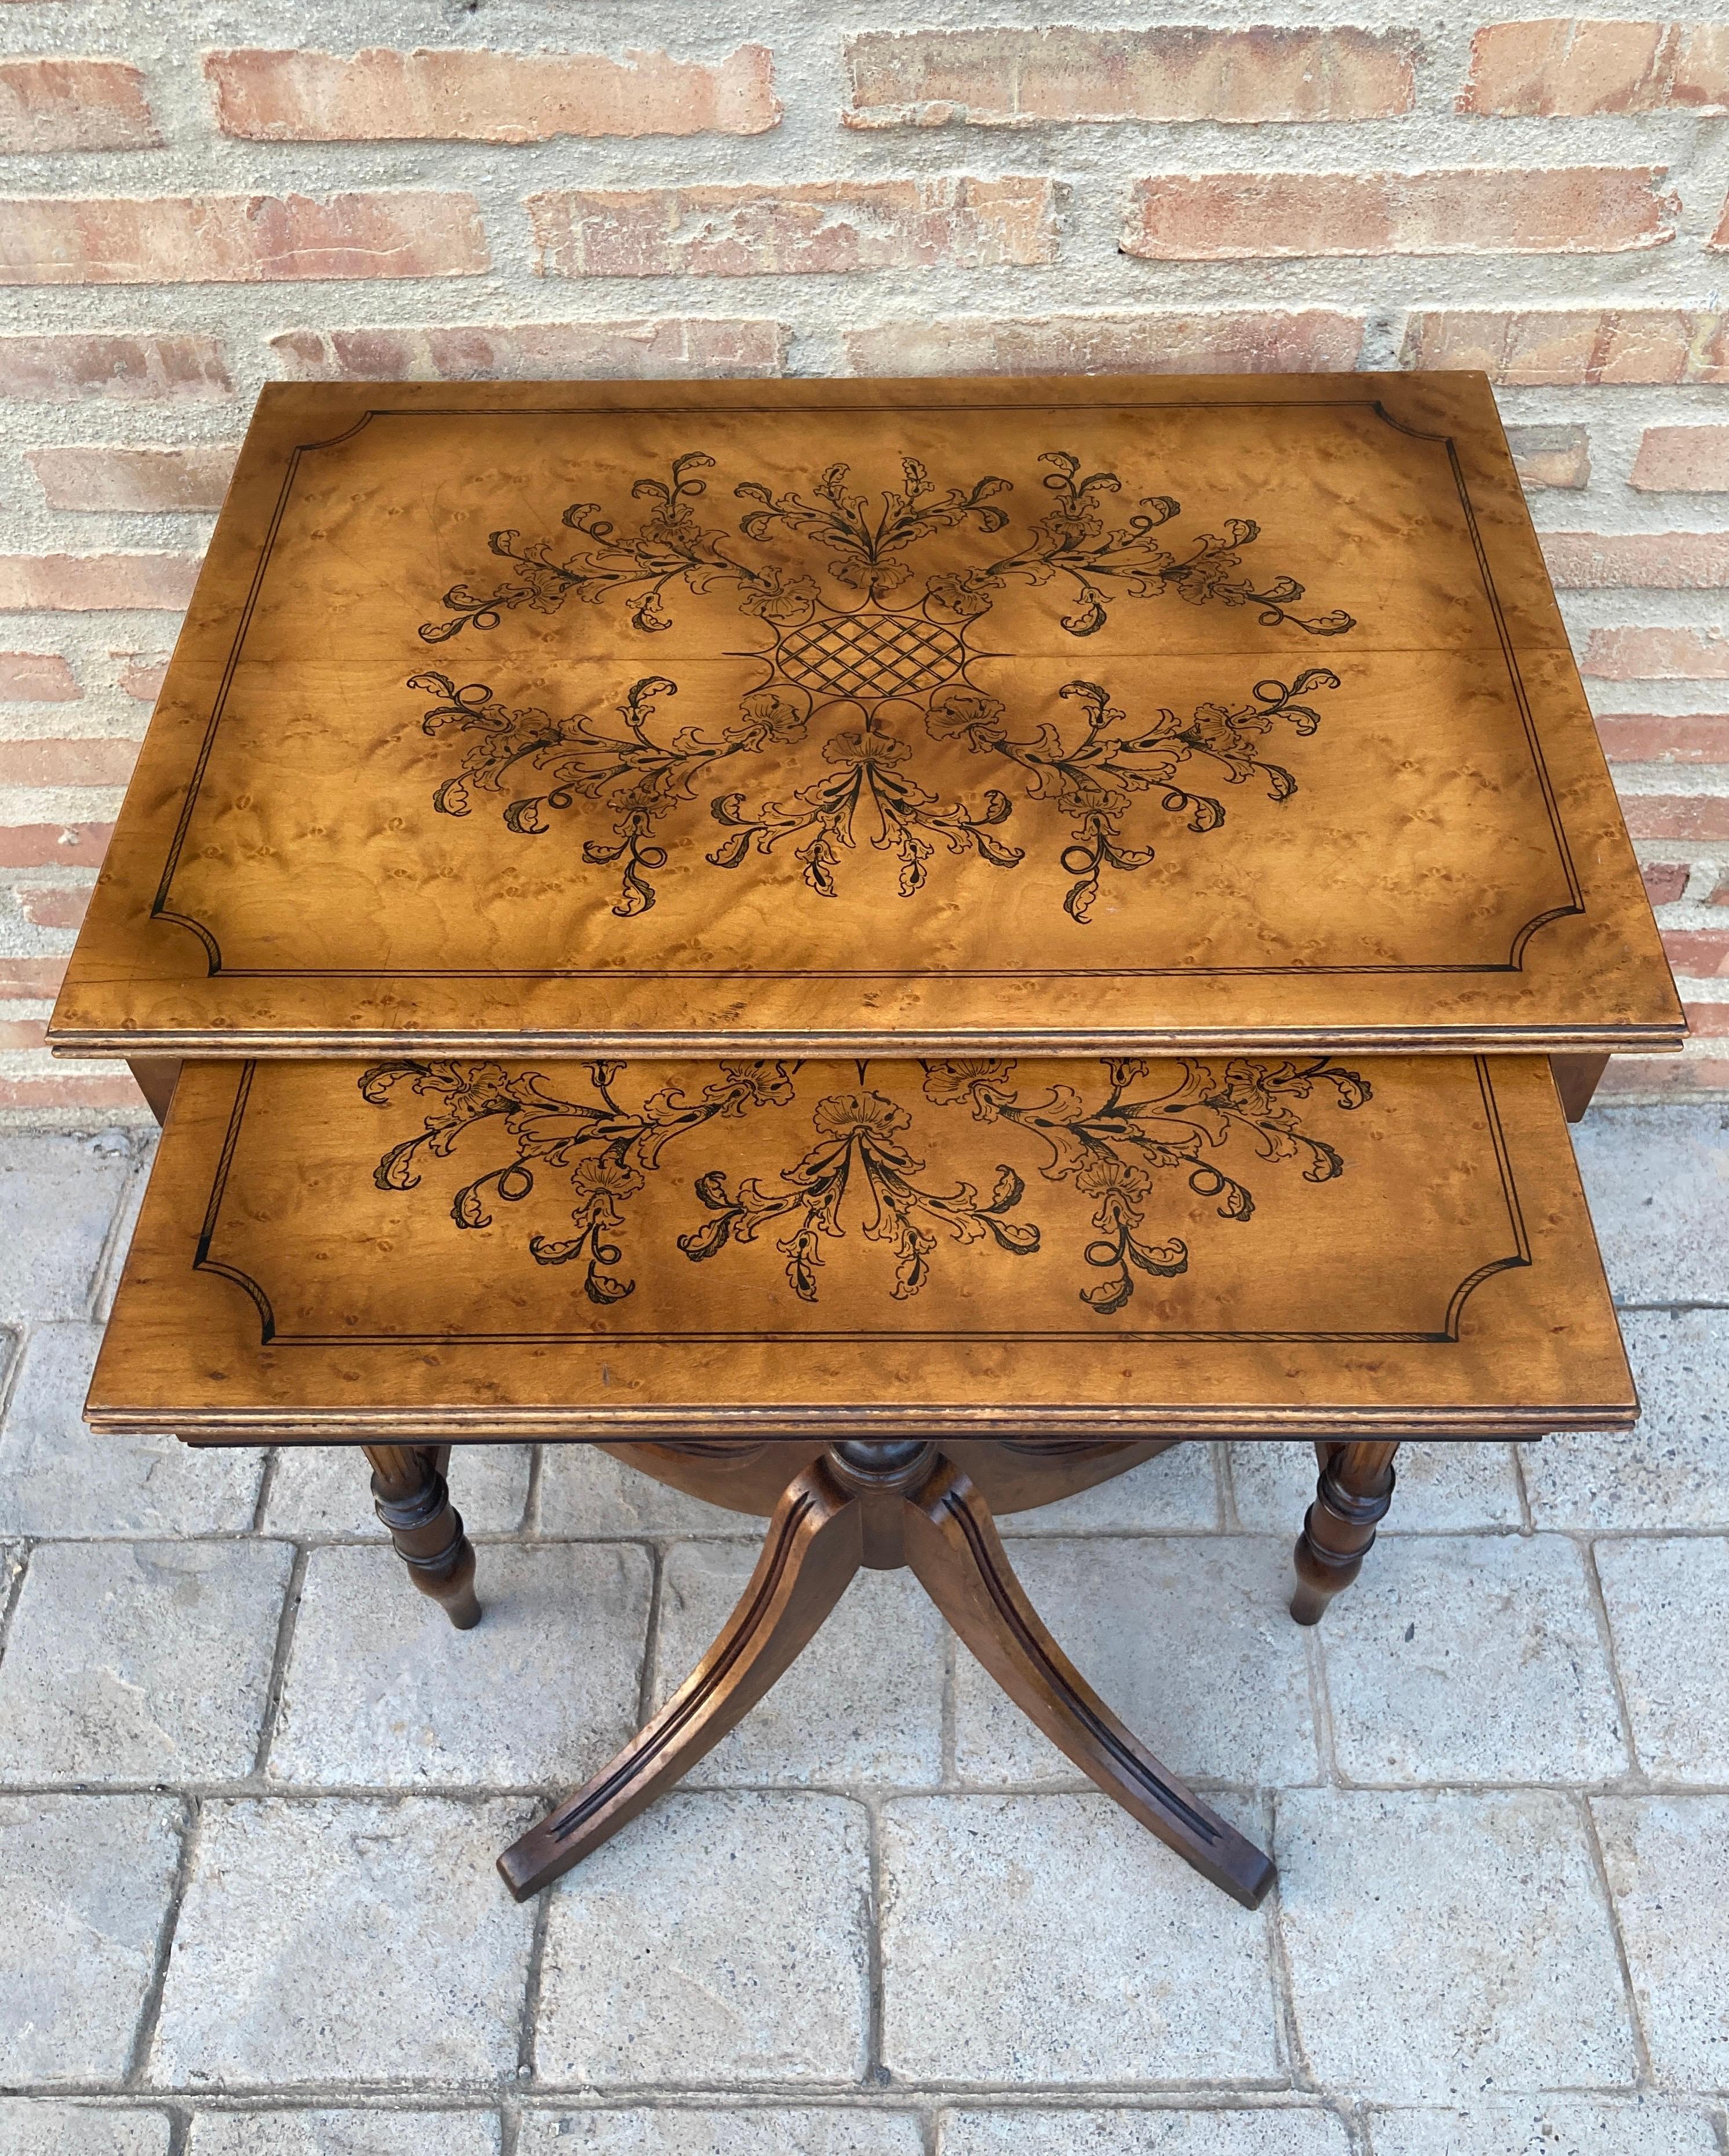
(856, 637)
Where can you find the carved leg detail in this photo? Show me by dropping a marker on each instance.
(814, 1545)
(953, 1547)
(1350, 1500)
(410, 1497)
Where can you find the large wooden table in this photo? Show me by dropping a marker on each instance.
(840, 717)
(886, 950)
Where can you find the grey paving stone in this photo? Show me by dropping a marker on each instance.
(58, 1477)
(144, 1144)
(141, 1662)
(1546, 2126)
(1472, 1659)
(1443, 1489)
(862, 1703)
(326, 1489)
(1051, 1938)
(58, 1198)
(88, 1880)
(1657, 1180)
(1671, 1470)
(1174, 1491)
(585, 1491)
(1443, 1942)
(1669, 1613)
(39, 2127)
(720, 1938)
(1280, 2131)
(1188, 1641)
(1668, 1865)
(392, 2133)
(382, 1690)
(344, 1940)
(744, 2132)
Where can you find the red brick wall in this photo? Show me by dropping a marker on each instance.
(521, 190)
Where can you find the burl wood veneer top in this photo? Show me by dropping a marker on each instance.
(657, 1249)
(830, 716)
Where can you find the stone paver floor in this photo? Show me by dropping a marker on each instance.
(251, 1787)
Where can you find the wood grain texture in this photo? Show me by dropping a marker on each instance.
(817, 717)
(653, 1253)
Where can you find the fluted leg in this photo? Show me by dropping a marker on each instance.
(953, 1547)
(1351, 1499)
(883, 1503)
(411, 1498)
(814, 1545)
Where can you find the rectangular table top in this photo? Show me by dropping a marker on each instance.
(1098, 1248)
(808, 717)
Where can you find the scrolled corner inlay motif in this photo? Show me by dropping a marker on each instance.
(1124, 1128)
(886, 661)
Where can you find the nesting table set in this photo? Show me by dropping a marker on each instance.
(885, 951)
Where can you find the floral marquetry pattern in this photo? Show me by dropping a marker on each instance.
(865, 662)
(841, 1160)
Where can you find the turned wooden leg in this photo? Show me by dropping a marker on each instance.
(814, 1544)
(953, 1547)
(410, 1497)
(1350, 1500)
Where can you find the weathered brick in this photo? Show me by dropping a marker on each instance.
(1466, 210)
(141, 672)
(1657, 654)
(1711, 1020)
(70, 1091)
(1720, 238)
(1666, 1074)
(82, 582)
(1647, 737)
(1700, 954)
(997, 77)
(65, 369)
(820, 226)
(1666, 881)
(28, 977)
(1313, 340)
(1719, 895)
(1676, 815)
(23, 1032)
(1571, 65)
(467, 95)
(52, 906)
(196, 477)
(1551, 456)
(1564, 347)
(1671, 561)
(74, 104)
(86, 760)
(36, 845)
(37, 677)
(246, 239)
(534, 351)
(1682, 460)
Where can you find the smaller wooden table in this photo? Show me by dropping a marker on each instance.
(875, 1299)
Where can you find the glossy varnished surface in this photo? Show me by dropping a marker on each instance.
(822, 715)
(651, 1249)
